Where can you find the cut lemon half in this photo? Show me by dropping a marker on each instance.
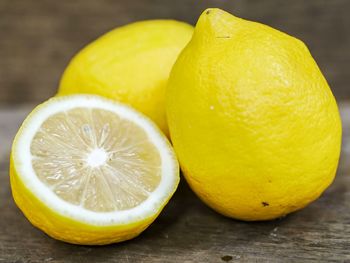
(87, 170)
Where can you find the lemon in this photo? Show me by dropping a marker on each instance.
(130, 64)
(252, 119)
(87, 170)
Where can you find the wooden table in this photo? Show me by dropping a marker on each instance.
(187, 230)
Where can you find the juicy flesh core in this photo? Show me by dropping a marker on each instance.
(95, 159)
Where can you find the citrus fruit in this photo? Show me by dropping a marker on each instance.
(252, 119)
(87, 170)
(130, 64)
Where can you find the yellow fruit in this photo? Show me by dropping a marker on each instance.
(130, 64)
(87, 170)
(252, 119)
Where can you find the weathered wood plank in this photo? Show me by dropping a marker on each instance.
(188, 231)
(40, 36)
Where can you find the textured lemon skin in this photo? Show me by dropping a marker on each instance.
(130, 64)
(66, 229)
(252, 119)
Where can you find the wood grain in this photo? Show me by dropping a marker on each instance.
(187, 230)
(39, 37)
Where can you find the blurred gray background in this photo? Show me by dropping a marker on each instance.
(39, 37)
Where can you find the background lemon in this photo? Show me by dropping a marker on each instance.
(130, 64)
(252, 119)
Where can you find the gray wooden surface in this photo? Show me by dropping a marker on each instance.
(188, 231)
(38, 37)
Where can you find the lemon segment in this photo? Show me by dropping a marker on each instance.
(83, 164)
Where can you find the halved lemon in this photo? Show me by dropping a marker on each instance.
(87, 170)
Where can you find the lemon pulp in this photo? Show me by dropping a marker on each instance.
(94, 159)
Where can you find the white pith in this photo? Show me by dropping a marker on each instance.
(96, 157)
(23, 162)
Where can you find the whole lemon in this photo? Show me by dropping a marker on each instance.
(254, 124)
(130, 64)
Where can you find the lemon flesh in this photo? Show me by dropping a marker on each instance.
(252, 119)
(130, 64)
(87, 161)
(100, 166)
